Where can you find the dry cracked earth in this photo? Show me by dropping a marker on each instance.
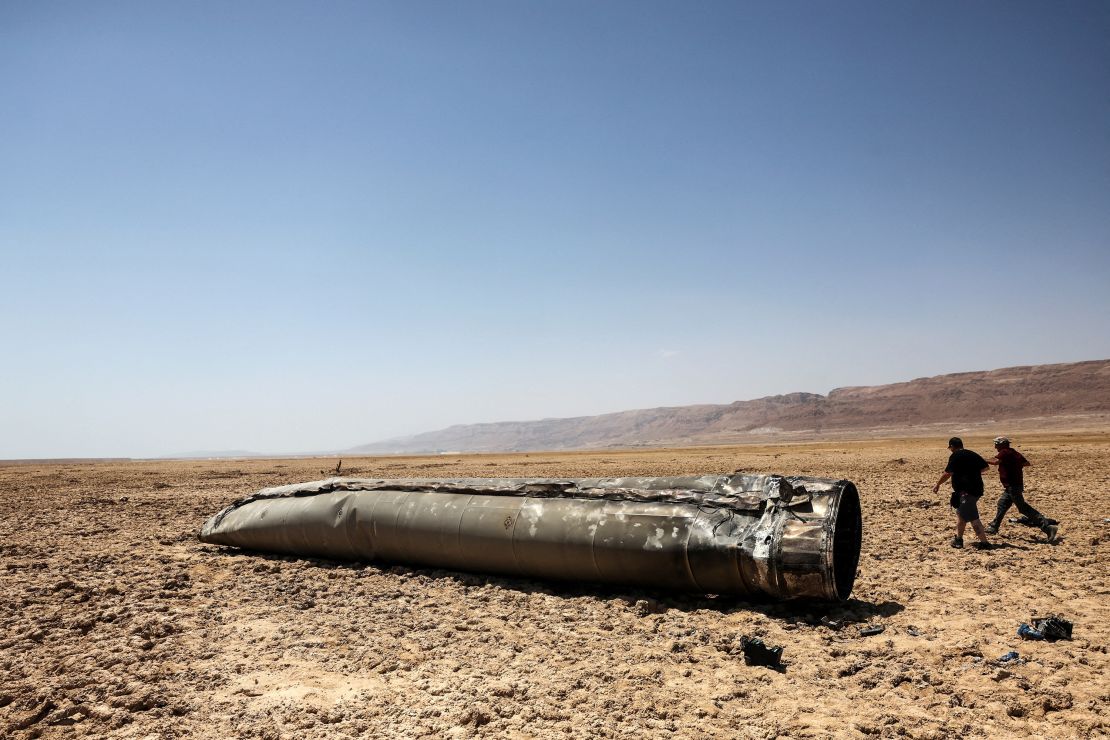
(116, 622)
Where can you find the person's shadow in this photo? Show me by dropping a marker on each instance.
(996, 545)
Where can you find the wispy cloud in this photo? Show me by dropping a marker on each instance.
(666, 354)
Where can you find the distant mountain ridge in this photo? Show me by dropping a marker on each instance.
(1078, 389)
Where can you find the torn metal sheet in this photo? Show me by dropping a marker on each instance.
(740, 534)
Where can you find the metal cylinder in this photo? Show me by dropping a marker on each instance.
(735, 534)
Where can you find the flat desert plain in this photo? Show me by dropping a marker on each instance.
(116, 622)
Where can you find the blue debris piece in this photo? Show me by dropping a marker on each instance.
(1028, 633)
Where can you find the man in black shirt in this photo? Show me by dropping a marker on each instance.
(965, 468)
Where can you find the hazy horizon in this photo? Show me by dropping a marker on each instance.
(351, 448)
(290, 227)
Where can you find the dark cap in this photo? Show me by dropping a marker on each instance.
(956, 442)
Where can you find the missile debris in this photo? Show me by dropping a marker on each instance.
(749, 535)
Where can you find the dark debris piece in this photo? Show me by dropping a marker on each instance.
(1053, 627)
(871, 629)
(756, 652)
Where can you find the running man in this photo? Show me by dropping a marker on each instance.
(1010, 464)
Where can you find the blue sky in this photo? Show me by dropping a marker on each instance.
(290, 227)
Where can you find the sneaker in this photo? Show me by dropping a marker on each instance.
(981, 545)
(957, 542)
(992, 529)
(1050, 531)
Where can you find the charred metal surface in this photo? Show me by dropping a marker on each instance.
(739, 534)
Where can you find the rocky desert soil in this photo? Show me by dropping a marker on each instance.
(116, 622)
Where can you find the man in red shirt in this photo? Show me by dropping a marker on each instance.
(1010, 464)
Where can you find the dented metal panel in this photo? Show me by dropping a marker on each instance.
(727, 534)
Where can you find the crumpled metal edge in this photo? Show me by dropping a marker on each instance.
(735, 491)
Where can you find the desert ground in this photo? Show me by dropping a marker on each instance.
(116, 622)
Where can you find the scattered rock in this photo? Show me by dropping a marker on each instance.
(1055, 701)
